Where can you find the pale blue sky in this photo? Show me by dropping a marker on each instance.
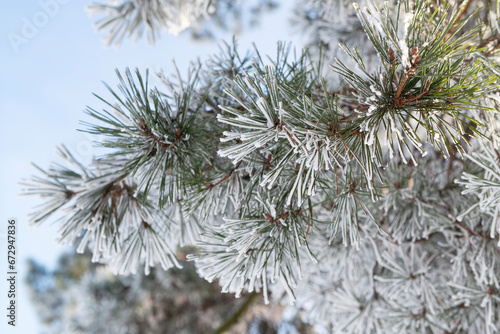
(44, 88)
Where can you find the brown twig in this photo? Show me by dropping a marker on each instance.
(146, 131)
(485, 42)
(409, 72)
(268, 162)
(111, 187)
(283, 216)
(401, 102)
(471, 232)
(274, 220)
(228, 175)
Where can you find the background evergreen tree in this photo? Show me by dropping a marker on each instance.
(367, 192)
(79, 296)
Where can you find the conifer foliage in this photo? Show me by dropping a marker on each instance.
(364, 189)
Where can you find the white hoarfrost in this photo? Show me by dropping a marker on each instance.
(402, 33)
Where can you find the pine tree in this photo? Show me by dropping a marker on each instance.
(79, 296)
(358, 179)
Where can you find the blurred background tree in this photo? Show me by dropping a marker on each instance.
(79, 296)
(134, 19)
